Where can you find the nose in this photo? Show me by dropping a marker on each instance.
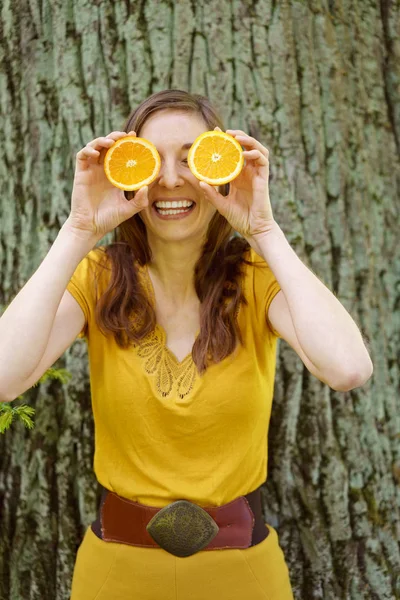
(169, 175)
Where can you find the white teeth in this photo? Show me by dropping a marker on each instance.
(163, 211)
(174, 204)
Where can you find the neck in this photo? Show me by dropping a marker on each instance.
(172, 265)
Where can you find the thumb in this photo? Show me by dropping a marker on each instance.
(138, 202)
(214, 197)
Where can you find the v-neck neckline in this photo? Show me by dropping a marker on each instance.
(163, 333)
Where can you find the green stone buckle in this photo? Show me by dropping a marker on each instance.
(182, 528)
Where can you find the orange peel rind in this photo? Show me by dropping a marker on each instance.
(215, 157)
(131, 163)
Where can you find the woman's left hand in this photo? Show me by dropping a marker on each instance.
(247, 207)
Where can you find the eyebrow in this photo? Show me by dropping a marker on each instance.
(187, 146)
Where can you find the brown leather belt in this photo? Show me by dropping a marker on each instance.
(181, 528)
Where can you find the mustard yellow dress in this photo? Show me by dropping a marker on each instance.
(163, 433)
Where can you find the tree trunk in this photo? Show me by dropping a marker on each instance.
(318, 83)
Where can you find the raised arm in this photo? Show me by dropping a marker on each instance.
(33, 332)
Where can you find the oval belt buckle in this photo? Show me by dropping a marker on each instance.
(182, 528)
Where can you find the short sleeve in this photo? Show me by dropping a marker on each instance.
(82, 288)
(265, 288)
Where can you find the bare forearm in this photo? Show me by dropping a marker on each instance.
(326, 332)
(26, 324)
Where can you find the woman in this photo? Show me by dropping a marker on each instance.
(181, 317)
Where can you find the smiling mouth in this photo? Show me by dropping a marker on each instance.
(174, 207)
(175, 214)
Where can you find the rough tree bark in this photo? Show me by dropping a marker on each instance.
(318, 83)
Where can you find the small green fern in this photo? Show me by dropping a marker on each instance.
(23, 412)
(61, 375)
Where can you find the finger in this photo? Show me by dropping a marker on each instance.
(249, 142)
(88, 155)
(140, 200)
(142, 193)
(236, 131)
(214, 197)
(87, 152)
(116, 135)
(256, 156)
(106, 141)
(100, 143)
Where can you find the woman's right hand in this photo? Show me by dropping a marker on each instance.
(97, 206)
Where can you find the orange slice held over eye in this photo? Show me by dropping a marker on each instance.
(131, 163)
(215, 157)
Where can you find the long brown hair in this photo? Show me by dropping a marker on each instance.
(125, 310)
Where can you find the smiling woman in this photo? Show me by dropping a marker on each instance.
(176, 315)
(181, 248)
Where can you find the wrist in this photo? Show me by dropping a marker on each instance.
(82, 236)
(269, 235)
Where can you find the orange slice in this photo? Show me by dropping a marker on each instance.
(215, 157)
(131, 163)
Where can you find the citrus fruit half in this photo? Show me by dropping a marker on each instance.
(131, 163)
(215, 157)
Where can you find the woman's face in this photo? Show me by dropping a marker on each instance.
(173, 132)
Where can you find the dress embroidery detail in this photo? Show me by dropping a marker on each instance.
(159, 362)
